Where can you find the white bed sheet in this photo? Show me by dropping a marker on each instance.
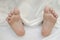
(32, 33)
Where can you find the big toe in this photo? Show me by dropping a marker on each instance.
(46, 10)
(16, 11)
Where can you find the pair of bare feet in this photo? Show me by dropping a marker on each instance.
(49, 20)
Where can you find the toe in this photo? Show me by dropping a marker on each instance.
(10, 14)
(46, 10)
(8, 19)
(16, 11)
(55, 15)
(53, 12)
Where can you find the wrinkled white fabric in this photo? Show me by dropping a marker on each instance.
(29, 12)
(28, 9)
(32, 10)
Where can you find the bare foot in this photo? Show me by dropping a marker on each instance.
(49, 20)
(15, 22)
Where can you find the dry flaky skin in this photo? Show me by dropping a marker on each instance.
(15, 22)
(49, 20)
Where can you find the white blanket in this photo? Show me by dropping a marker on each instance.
(32, 32)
